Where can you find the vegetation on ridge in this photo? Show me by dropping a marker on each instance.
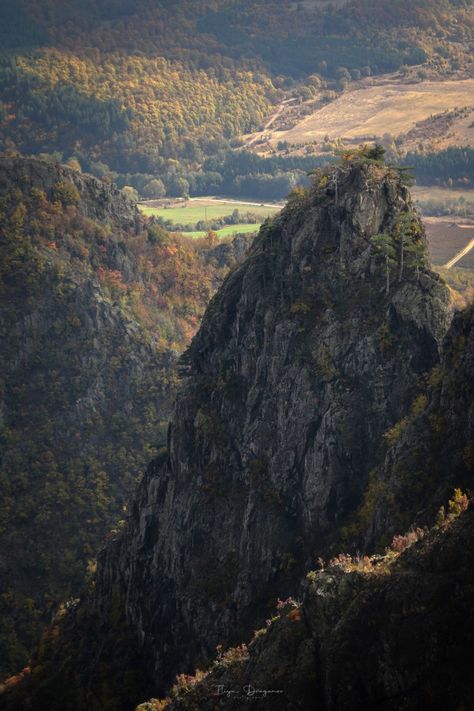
(234, 664)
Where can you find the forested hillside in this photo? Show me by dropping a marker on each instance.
(311, 398)
(143, 91)
(95, 305)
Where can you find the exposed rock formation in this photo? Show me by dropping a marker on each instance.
(433, 445)
(98, 200)
(397, 636)
(301, 364)
(391, 632)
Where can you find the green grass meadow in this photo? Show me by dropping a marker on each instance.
(226, 231)
(191, 214)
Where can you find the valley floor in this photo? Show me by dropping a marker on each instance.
(448, 236)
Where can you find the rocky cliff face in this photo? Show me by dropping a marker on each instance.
(391, 633)
(432, 448)
(396, 630)
(305, 357)
(96, 199)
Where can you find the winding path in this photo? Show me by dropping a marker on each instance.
(270, 121)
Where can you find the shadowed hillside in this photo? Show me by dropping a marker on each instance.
(96, 304)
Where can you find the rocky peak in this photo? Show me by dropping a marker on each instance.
(94, 198)
(309, 352)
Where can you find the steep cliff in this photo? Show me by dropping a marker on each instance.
(390, 633)
(396, 630)
(305, 357)
(311, 350)
(431, 449)
(92, 313)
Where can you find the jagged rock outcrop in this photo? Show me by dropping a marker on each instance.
(301, 364)
(395, 636)
(97, 199)
(390, 632)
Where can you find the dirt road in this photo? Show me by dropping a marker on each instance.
(459, 255)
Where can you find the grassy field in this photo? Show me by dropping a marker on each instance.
(209, 209)
(194, 211)
(227, 231)
(422, 192)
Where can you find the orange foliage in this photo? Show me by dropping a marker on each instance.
(165, 287)
(13, 681)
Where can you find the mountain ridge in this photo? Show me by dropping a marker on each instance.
(266, 423)
(358, 637)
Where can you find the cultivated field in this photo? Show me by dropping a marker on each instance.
(430, 192)
(195, 210)
(446, 239)
(368, 112)
(227, 231)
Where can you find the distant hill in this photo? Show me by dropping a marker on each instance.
(129, 88)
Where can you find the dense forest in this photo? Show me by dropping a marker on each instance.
(141, 92)
(243, 173)
(96, 305)
(451, 167)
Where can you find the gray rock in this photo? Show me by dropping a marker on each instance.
(301, 364)
(395, 637)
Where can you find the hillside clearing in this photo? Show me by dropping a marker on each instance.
(229, 231)
(393, 107)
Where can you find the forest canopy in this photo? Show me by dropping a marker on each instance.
(152, 90)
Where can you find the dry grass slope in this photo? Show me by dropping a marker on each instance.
(368, 112)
